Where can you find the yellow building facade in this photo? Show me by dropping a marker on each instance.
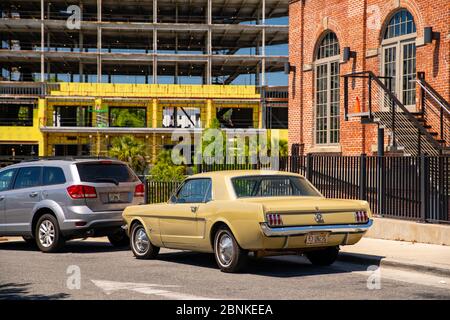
(72, 119)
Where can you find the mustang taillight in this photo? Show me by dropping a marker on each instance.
(361, 216)
(274, 219)
(139, 190)
(81, 192)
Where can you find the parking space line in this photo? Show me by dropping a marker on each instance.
(110, 287)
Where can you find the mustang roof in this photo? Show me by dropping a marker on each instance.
(238, 173)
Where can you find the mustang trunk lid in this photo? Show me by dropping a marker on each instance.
(298, 211)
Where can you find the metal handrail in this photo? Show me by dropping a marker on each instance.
(371, 76)
(425, 87)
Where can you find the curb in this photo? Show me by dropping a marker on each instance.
(388, 262)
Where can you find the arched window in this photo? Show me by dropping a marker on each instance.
(400, 24)
(327, 90)
(399, 55)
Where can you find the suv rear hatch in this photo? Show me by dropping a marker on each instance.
(114, 182)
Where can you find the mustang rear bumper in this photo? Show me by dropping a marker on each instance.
(302, 230)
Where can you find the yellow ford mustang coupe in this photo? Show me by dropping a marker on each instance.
(233, 213)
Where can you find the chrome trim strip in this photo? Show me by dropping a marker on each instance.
(302, 230)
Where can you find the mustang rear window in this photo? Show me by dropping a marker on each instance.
(105, 172)
(272, 186)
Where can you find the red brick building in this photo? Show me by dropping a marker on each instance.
(389, 38)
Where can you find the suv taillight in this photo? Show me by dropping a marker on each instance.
(274, 219)
(139, 190)
(361, 216)
(81, 192)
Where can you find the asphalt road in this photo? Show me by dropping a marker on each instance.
(107, 273)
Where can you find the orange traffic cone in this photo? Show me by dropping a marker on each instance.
(357, 105)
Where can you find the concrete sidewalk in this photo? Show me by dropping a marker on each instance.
(421, 257)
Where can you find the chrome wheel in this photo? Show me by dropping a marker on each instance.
(46, 233)
(141, 243)
(225, 249)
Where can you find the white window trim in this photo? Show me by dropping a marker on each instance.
(398, 42)
(328, 61)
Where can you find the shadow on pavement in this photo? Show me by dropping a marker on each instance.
(282, 266)
(74, 246)
(20, 291)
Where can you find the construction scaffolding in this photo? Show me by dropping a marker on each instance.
(171, 41)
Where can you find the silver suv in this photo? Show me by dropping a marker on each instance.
(50, 201)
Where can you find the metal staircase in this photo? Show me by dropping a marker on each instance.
(412, 133)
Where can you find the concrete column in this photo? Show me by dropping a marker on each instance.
(81, 47)
(209, 44)
(263, 40)
(48, 70)
(42, 104)
(262, 124)
(99, 41)
(98, 148)
(155, 113)
(175, 79)
(155, 42)
(153, 147)
(42, 42)
(209, 112)
(98, 118)
(258, 66)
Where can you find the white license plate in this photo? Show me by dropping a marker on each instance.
(114, 197)
(317, 238)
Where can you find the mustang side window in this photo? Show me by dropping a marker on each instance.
(195, 191)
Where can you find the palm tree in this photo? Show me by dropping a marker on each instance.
(165, 170)
(130, 150)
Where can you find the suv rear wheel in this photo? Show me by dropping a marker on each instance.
(119, 239)
(47, 233)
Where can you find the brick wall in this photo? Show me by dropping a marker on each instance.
(358, 24)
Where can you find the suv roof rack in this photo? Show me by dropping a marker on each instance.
(68, 158)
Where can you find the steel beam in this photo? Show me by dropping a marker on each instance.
(155, 42)
(99, 41)
(42, 42)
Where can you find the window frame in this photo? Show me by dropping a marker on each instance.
(205, 200)
(52, 184)
(111, 108)
(388, 24)
(13, 178)
(83, 175)
(87, 120)
(285, 176)
(328, 61)
(28, 122)
(23, 168)
(398, 43)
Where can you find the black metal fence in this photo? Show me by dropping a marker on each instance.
(157, 191)
(405, 187)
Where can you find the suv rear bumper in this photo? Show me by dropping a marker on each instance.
(81, 221)
(95, 229)
(302, 230)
